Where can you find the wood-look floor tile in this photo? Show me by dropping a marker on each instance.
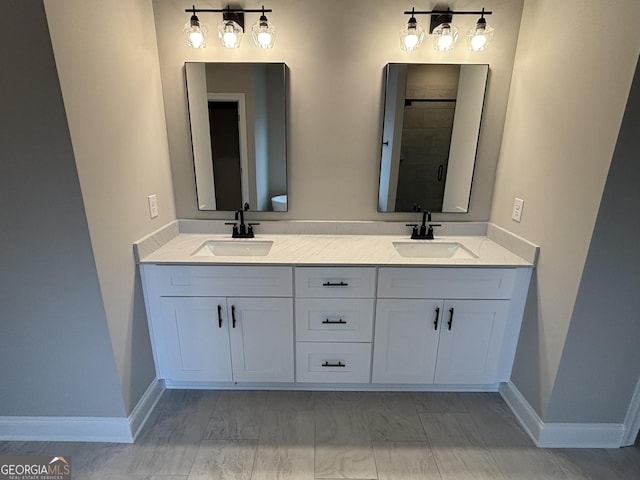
(406, 461)
(170, 445)
(514, 452)
(294, 401)
(286, 446)
(121, 476)
(237, 415)
(224, 460)
(343, 441)
(458, 447)
(392, 417)
(598, 464)
(301, 434)
(440, 402)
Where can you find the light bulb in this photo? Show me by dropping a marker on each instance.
(445, 36)
(230, 34)
(196, 39)
(230, 39)
(478, 42)
(264, 39)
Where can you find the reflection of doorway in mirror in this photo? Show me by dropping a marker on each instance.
(225, 153)
(424, 154)
(228, 136)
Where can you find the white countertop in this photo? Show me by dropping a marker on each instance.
(306, 249)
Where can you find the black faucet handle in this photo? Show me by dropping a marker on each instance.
(429, 235)
(234, 231)
(250, 229)
(414, 232)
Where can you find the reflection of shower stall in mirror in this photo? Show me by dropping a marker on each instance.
(431, 123)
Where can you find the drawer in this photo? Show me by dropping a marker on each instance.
(201, 280)
(335, 282)
(471, 283)
(334, 320)
(333, 362)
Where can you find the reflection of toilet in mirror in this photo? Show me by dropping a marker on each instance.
(279, 203)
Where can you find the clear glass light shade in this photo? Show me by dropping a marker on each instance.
(230, 34)
(195, 33)
(479, 37)
(263, 33)
(411, 36)
(445, 36)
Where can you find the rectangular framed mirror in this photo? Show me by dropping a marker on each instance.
(237, 114)
(431, 124)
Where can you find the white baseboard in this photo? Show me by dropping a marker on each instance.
(560, 435)
(66, 429)
(145, 406)
(332, 387)
(83, 429)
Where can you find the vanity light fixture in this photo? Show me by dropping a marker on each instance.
(231, 30)
(444, 32)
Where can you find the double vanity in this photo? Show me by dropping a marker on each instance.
(334, 310)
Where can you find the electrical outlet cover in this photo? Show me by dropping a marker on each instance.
(518, 205)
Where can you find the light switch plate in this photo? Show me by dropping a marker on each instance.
(518, 205)
(153, 205)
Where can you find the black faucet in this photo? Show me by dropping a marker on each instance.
(423, 233)
(244, 230)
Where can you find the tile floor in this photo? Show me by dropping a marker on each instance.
(259, 435)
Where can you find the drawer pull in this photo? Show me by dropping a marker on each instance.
(219, 316)
(450, 322)
(435, 322)
(334, 322)
(233, 316)
(339, 364)
(334, 284)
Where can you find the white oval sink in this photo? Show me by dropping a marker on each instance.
(432, 249)
(235, 248)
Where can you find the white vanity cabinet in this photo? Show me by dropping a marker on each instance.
(443, 326)
(221, 323)
(334, 323)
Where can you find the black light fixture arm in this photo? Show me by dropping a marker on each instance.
(195, 10)
(441, 12)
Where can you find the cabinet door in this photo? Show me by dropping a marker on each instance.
(406, 340)
(196, 341)
(471, 338)
(261, 339)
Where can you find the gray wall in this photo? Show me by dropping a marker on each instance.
(602, 350)
(107, 62)
(55, 351)
(566, 103)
